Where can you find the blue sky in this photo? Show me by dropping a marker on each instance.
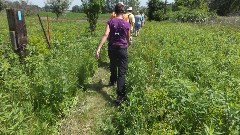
(40, 3)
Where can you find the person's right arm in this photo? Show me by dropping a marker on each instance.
(104, 38)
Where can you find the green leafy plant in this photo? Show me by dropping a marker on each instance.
(37, 93)
(58, 6)
(92, 9)
(182, 79)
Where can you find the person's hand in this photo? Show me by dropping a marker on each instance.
(98, 53)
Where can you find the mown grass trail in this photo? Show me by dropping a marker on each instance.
(95, 104)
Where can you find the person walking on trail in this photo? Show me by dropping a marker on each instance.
(118, 31)
(129, 17)
(138, 23)
(143, 19)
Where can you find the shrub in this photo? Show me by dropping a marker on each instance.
(189, 16)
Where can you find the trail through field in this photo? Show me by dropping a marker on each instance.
(94, 105)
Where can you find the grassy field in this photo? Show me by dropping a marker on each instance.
(36, 94)
(183, 78)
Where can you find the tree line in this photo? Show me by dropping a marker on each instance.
(22, 4)
(107, 6)
(157, 7)
(191, 10)
(179, 10)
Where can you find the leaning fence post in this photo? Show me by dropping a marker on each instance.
(44, 32)
(48, 29)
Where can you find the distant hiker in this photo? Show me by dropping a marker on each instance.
(118, 31)
(143, 19)
(129, 17)
(138, 23)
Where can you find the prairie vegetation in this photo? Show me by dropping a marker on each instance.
(183, 78)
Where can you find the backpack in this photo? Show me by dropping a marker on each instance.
(126, 17)
(129, 19)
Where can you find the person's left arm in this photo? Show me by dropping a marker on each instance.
(104, 38)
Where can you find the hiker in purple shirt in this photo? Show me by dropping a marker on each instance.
(117, 32)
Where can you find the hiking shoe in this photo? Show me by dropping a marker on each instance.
(119, 100)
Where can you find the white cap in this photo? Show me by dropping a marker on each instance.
(121, 3)
(129, 9)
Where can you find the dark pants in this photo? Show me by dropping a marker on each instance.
(118, 68)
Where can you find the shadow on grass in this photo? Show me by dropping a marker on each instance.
(98, 87)
(103, 64)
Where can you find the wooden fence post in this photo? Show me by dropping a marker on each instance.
(17, 29)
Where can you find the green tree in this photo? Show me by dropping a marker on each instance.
(1, 5)
(143, 9)
(34, 9)
(59, 6)
(25, 6)
(154, 7)
(92, 8)
(190, 4)
(134, 4)
(190, 10)
(14, 4)
(47, 8)
(224, 7)
(235, 6)
(76, 9)
(108, 6)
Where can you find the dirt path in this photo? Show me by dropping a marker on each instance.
(95, 104)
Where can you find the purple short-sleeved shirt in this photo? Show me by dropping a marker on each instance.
(118, 33)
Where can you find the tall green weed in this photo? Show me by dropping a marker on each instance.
(39, 90)
(182, 79)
